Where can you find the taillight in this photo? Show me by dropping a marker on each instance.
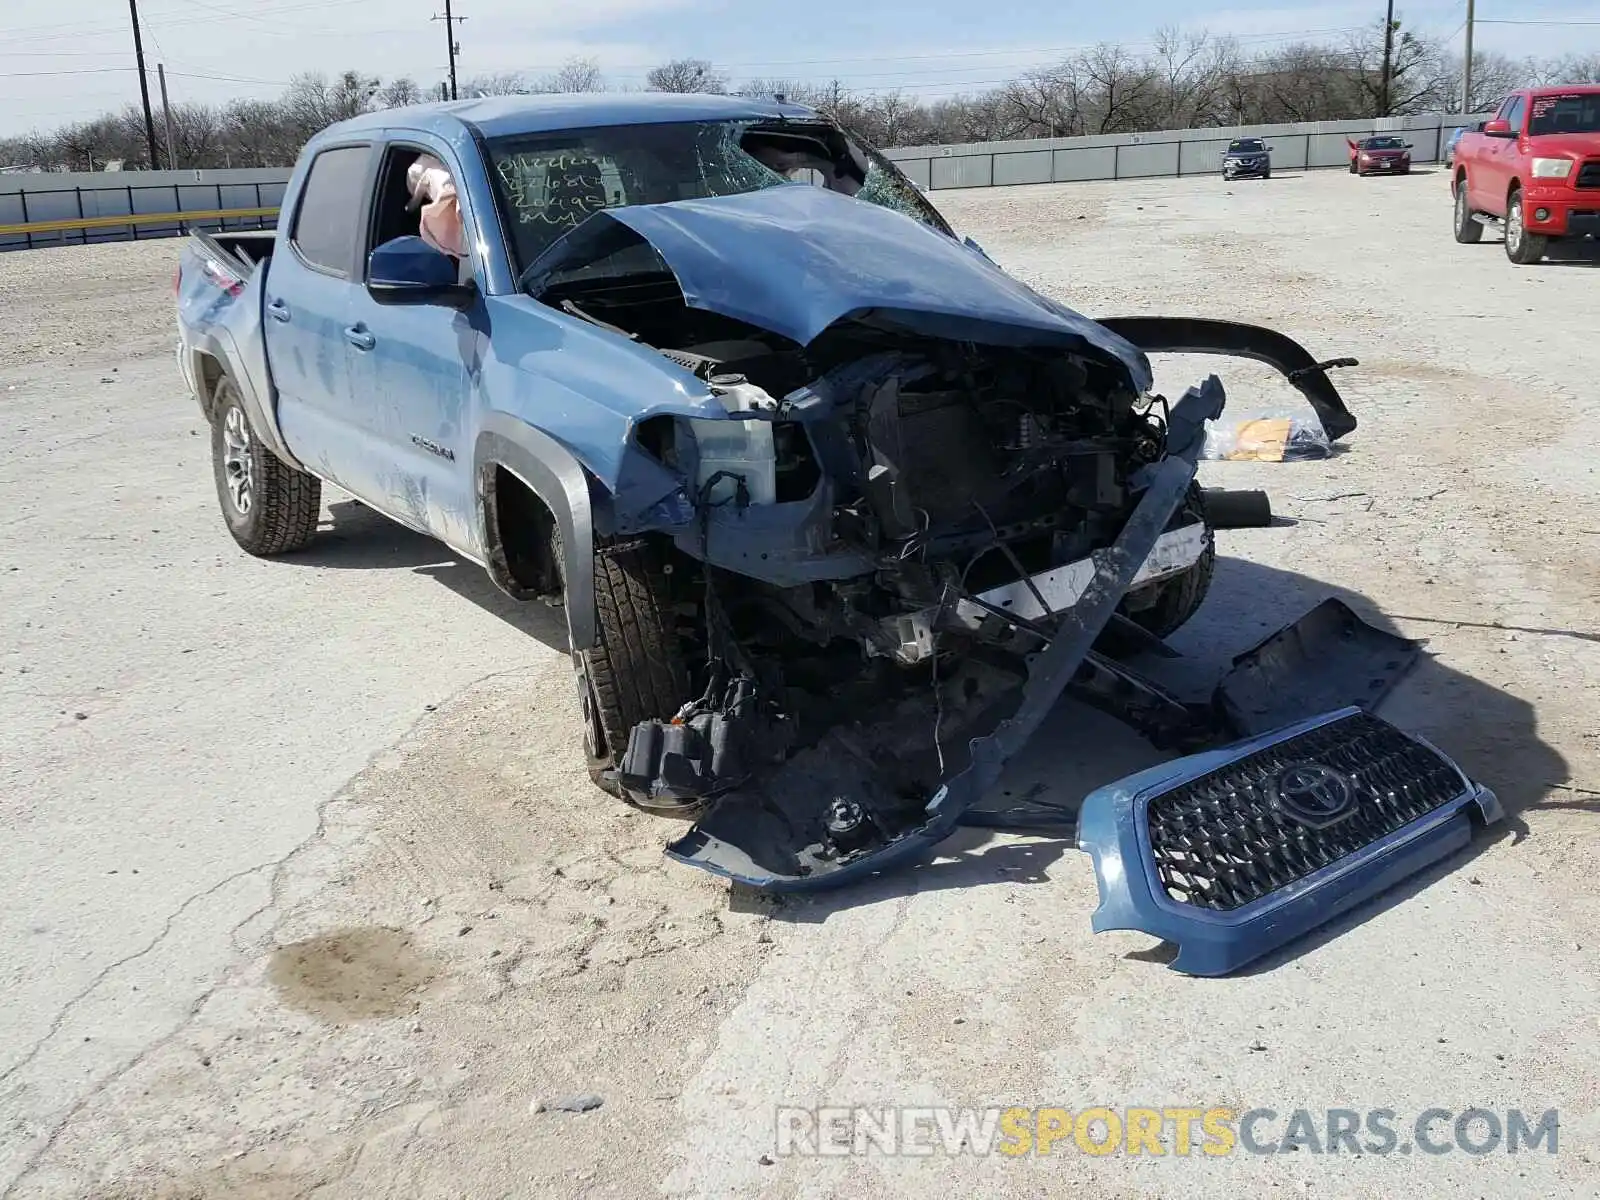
(225, 279)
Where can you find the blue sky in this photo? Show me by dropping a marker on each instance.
(71, 58)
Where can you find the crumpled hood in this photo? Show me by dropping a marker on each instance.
(796, 259)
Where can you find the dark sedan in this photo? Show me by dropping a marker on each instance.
(1247, 157)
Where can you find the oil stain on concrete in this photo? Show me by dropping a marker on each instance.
(351, 974)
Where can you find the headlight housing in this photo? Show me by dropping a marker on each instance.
(1552, 168)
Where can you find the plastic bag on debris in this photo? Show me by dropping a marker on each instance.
(1266, 437)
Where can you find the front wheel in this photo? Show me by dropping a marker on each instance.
(637, 669)
(1522, 247)
(1468, 229)
(270, 507)
(1168, 605)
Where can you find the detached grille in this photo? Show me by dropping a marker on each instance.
(1589, 174)
(1232, 836)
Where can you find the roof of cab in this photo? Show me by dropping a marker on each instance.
(498, 116)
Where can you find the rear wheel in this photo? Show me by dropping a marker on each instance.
(1468, 230)
(270, 507)
(1522, 247)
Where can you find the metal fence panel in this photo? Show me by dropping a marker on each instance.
(1141, 161)
(1201, 158)
(1092, 162)
(916, 170)
(1328, 149)
(973, 170)
(1032, 166)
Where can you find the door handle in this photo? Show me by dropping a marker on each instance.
(360, 338)
(278, 310)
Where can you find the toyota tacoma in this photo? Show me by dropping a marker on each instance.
(836, 509)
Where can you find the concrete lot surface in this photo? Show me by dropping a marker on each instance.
(307, 890)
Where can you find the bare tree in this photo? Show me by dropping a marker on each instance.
(506, 83)
(980, 118)
(1574, 68)
(894, 119)
(1415, 71)
(575, 75)
(1119, 89)
(686, 75)
(398, 93)
(1047, 101)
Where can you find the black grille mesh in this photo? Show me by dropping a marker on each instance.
(1589, 174)
(1219, 842)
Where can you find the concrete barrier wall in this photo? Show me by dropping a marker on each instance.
(1161, 154)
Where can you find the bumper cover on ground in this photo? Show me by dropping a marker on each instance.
(1233, 853)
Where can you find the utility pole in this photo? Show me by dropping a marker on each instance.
(1388, 60)
(1466, 68)
(144, 86)
(450, 22)
(166, 119)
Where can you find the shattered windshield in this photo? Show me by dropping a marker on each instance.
(1576, 113)
(548, 184)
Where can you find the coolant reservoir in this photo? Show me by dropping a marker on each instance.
(741, 446)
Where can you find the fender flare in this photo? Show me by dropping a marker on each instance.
(1198, 335)
(219, 347)
(558, 479)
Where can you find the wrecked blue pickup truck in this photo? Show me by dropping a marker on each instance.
(837, 510)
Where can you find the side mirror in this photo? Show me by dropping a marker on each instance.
(1498, 128)
(1407, 145)
(407, 270)
(1269, 149)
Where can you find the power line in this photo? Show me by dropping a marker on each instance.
(1557, 24)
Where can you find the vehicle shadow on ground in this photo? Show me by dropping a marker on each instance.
(1493, 736)
(359, 538)
(1573, 254)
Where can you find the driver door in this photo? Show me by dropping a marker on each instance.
(414, 376)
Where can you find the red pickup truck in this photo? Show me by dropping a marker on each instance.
(1533, 169)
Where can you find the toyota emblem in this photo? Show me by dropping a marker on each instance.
(1311, 794)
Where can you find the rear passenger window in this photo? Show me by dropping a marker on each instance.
(327, 224)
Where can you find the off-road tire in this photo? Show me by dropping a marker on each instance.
(636, 669)
(1179, 598)
(276, 509)
(1530, 247)
(1469, 232)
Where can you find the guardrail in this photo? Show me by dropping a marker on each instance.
(102, 208)
(133, 222)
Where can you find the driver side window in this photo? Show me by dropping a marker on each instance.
(1515, 108)
(394, 214)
